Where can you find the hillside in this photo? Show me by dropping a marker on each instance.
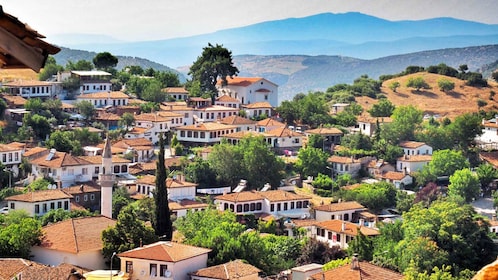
(463, 99)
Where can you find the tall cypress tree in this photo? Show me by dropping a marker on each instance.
(163, 226)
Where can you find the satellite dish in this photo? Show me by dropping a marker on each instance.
(167, 274)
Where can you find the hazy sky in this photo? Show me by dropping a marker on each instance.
(133, 20)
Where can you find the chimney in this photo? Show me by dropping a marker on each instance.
(493, 218)
(343, 226)
(362, 222)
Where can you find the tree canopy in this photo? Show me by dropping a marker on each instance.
(105, 61)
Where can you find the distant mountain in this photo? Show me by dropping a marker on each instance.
(300, 73)
(67, 54)
(350, 34)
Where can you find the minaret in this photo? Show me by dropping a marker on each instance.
(106, 180)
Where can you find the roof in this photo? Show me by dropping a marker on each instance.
(393, 175)
(411, 144)
(240, 81)
(91, 73)
(175, 90)
(273, 196)
(34, 151)
(21, 46)
(350, 228)
(257, 105)
(343, 160)
(9, 148)
(373, 120)
(38, 196)
(366, 271)
(16, 100)
(325, 131)
(151, 117)
(232, 270)
(415, 158)
(488, 272)
(10, 267)
(283, 132)
(227, 98)
(186, 204)
(60, 159)
(87, 187)
(490, 157)
(207, 127)
(170, 182)
(26, 83)
(165, 251)
(104, 95)
(269, 122)
(125, 143)
(245, 133)
(340, 206)
(76, 235)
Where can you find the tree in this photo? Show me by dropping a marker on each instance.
(105, 61)
(417, 83)
(406, 119)
(315, 251)
(152, 91)
(128, 233)
(214, 63)
(127, 120)
(120, 199)
(464, 129)
(311, 161)
(50, 69)
(201, 173)
(465, 184)
(86, 109)
(59, 214)
(82, 65)
(40, 125)
(486, 173)
(445, 85)
(64, 141)
(443, 163)
(375, 196)
(384, 108)
(163, 226)
(18, 233)
(394, 86)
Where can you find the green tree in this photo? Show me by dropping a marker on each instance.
(443, 163)
(486, 173)
(384, 108)
(82, 65)
(394, 86)
(406, 119)
(59, 214)
(417, 83)
(64, 141)
(316, 141)
(40, 125)
(86, 109)
(311, 161)
(18, 234)
(201, 173)
(375, 196)
(127, 120)
(134, 70)
(120, 199)
(445, 85)
(163, 226)
(465, 184)
(152, 91)
(128, 233)
(214, 63)
(105, 61)
(464, 129)
(50, 69)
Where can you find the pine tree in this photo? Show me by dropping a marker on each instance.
(163, 226)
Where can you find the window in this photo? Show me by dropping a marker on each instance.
(153, 270)
(259, 206)
(12, 205)
(338, 237)
(37, 208)
(97, 169)
(239, 208)
(85, 197)
(92, 197)
(84, 171)
(116, 169)
(246, 207)
(292, 205)
(16, 156)
(285, 206)
(77, 198)
(59, 204)
(66, 205)
(332, 217)
(346, 217)
(44, 207)
(52, 205)
(278, 207)
(163, 270)
(272, 207)
(129, 267)
(10, 156)
(4, 158)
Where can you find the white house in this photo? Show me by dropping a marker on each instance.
(151, 124)
(142, 148)
(415, 148)
(31, 89)
(10, 156)
(77, 241)
(250, 90)
(342, 165)
(345, 211)
(203, 133)
(331, 136)
(277, 203)
(258, 109)
(340, 233)
(284, 138)
(368, 125)
(213, 113)
(489, 131)
(105, 98)
(398, 179)
(409, 164)
(243, 124)
(178, 189)
(39, 202)
(227, 101)
(90, 81)
(268, 124)
(176, 93)
(163, 260)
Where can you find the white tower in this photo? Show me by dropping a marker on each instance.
(106, 181)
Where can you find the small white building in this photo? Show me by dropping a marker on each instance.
(344, 211)
(149, 126)
(163, 260)
(10, 156)
(176, 93)
(250, 90)
(243, 124)
(344, 165)
(258, 109)
(105, 98)
(340, 233)
(38, 203)
(32, 89)
(90, 81)
(227, 101)
(203, 133)
(409, 164)
(368, 125)
(411, 148)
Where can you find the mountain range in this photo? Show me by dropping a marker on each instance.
(315, 52)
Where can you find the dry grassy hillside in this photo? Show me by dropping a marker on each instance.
(433, 101)
(17, 74)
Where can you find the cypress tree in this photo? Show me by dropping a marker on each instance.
(163, 225)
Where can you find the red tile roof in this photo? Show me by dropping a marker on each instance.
(415, 158)
(76, 235)
(11, 267)
(273, 196)
(350, 228)
(237, 120)
(257, 105)
(269, 122)
(411, 144)
(38, 196)
(60, 159)
(227, 98)
(343, 160)
(325, 131)
(340, 206)
(240, 81)
(207, 127)
(366, 271)
(186, 204)
(284, 132)
(175, 90)
(232, 270)
(165, 251)
(393, 175)
(104, 95)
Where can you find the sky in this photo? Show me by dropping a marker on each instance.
(146, 20)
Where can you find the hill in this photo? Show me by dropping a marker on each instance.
(434, 102)
(349, 34)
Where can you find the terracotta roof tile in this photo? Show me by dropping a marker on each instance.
(367, 271)
(175, 90)
(232, 270)
(279, 195)
(269, 122)
(411, 144)
(76, 235)
(350, 228)
(207, 127)
(125, 143)
(151, 117)
(16, 100)
(34, 151)
(98, 159)
(393, 175)
(241, 196)
(325, 131)
(340, 206)
(240, 81)
(104, 116)
(373, 120)
(343, 160)
(104, 95)
(247, 133)
(415, 158)
(490, 157)
(82, 188)
(38, 196)
(11, 267)
(236, 120)
(60, 159)
(272, 195)
(165, 251)
(257, 105)
(227, 98)
(62, 271)
(9, 148)
(186, 204)
(283, 132)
